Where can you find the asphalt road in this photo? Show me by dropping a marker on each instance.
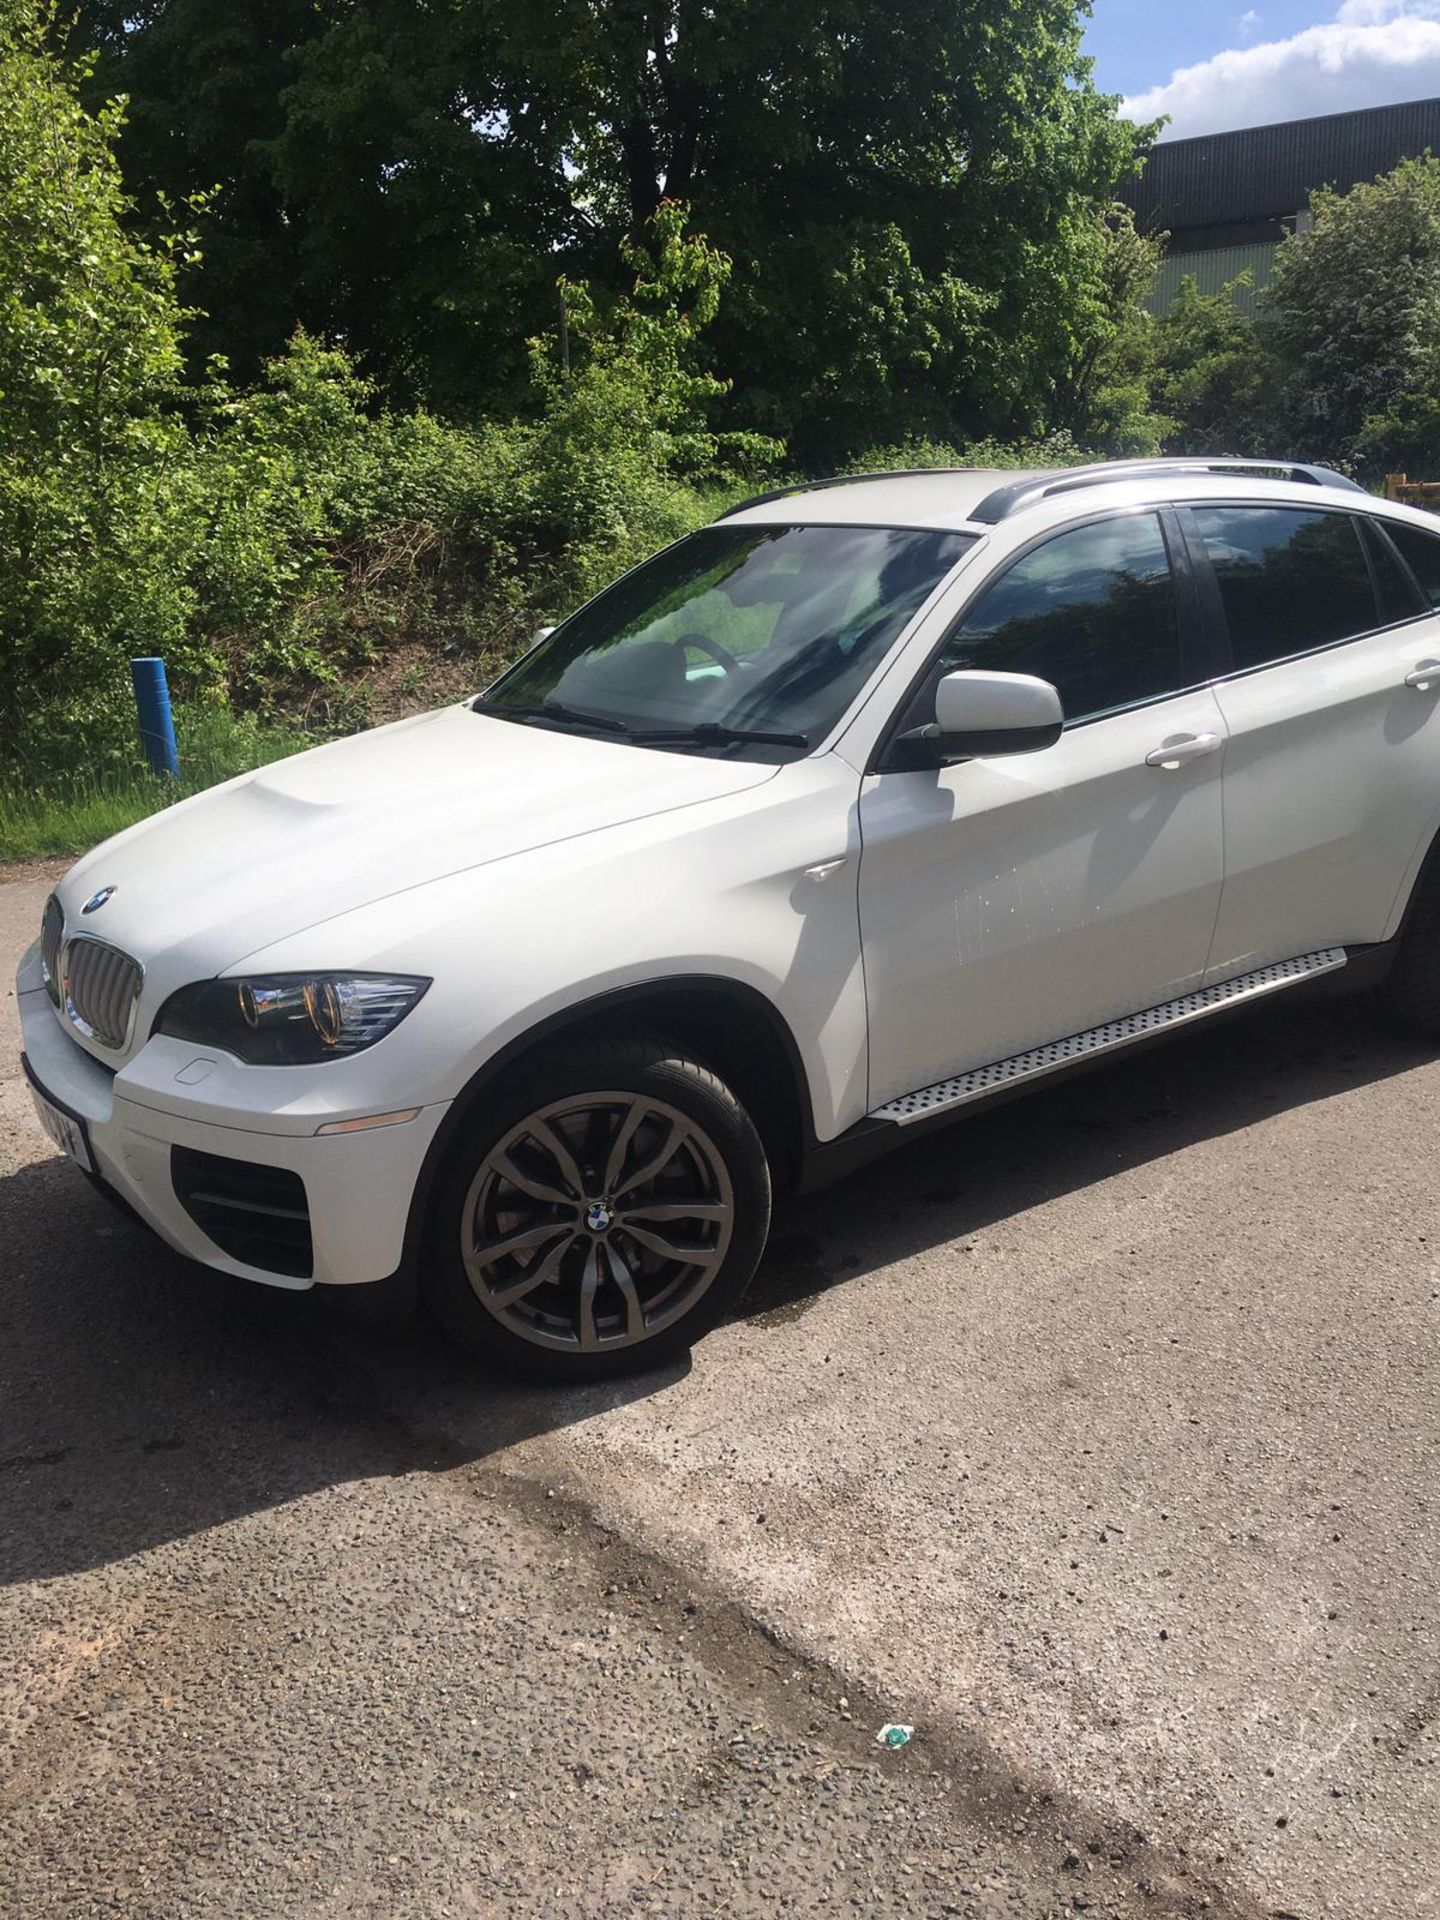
(1097, 1439)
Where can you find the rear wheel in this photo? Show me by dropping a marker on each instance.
(609, 1210)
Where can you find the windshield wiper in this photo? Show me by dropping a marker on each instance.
(707, 733)
(704, 733)
(548, 710)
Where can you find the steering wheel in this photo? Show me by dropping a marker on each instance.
(722, 656)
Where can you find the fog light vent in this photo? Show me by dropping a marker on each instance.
(258, 1215)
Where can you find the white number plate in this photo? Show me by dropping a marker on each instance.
(67, 1133)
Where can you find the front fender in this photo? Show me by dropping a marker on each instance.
(720, 892)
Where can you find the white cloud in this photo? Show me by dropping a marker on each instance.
(1370, 13)
(1375, 52)
(1248, 25)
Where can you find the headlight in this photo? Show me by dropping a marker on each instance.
(291, 1019)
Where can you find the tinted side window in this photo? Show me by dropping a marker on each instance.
(1092, 610)
(1398, 599)
(1422, 550)
(1290, 579)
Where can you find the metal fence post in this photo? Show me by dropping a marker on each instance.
(157, 724)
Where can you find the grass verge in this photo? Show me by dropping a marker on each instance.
(45, 811)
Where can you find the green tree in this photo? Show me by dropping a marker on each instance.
(1102, 342)
(427, 233)
(624, 431)
(202, 86)
(644, 346)
(266, 537)
(95, 479)
(907, 192)
(334, 524)
(915, 197)
(1211, 376)
(365, 188)
(1352, 318)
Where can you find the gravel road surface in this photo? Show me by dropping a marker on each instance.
(1098, 1439)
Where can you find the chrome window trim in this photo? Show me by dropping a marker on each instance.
(1327, 646)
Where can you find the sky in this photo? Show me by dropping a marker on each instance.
(1213, 64)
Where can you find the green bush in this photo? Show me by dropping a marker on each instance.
(1351, 321)
(264, 541)
(334, 529)
(622, 458)
(1054, 450)
(267, 540)
(97, 505)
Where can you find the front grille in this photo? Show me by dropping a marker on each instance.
(52, 933)
(258, 1215)
(102, 985)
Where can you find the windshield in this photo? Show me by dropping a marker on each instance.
(744, 640)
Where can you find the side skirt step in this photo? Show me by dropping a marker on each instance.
(962, 1088)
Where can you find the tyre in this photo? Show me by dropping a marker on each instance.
(1411, 990)
(608, 1207)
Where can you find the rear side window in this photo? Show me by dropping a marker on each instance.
(1422, 550)
(1291, 579)
(1398, 599)
(1092, 611)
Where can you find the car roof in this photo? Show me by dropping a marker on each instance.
(936, 497)
(977, 499)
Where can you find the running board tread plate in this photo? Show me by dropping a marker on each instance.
(962, 1088)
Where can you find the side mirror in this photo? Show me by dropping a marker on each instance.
(979, 715)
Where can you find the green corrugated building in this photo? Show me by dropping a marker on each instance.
(1227, 200)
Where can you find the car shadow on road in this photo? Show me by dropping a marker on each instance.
(143, 1399)
(947, 1185)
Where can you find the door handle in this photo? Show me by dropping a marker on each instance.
(1194, 746)
(1425, 676)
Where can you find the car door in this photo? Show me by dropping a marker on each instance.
(1332, 773)
(1008, 902)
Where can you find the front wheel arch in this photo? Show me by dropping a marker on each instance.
(726, 1025)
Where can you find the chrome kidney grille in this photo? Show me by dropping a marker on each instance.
(52, 933)
(101, 986)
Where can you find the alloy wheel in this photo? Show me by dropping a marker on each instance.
(597, 1221)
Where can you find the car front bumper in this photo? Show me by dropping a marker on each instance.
(358, 1186)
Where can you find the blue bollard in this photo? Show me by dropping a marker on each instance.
(157, 725)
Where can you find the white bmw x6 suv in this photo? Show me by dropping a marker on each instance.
(867, 804)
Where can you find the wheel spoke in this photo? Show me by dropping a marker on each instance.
(674, 1210)
(535, 1276)
(516, 1176)
(675, 1137)
(685, 1255)
(620, 1147)
(549, 1138)
(589, 1287)
(594, 1134)
(488, 1251)
(625, 1280)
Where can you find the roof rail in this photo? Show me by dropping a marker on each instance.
(839, 480)
(1009, 499)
